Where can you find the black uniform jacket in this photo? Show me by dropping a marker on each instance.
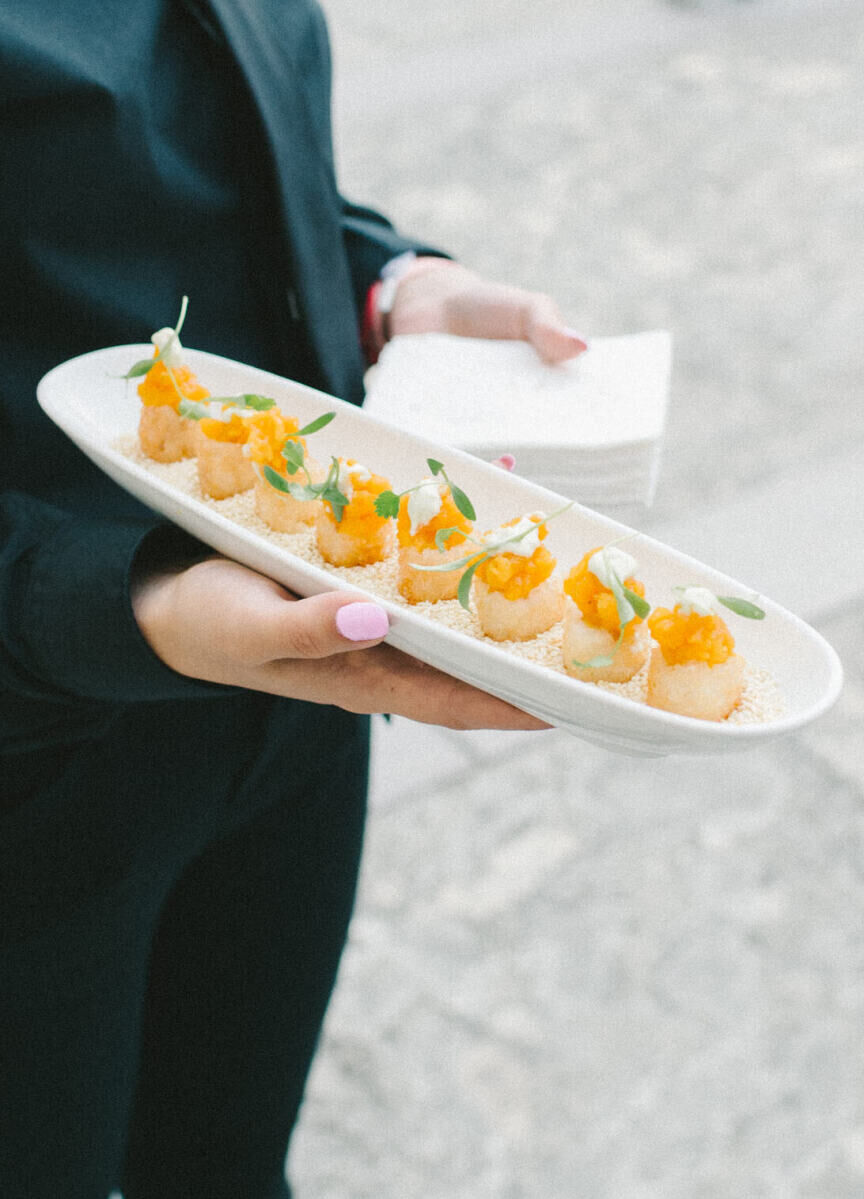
(148, 148)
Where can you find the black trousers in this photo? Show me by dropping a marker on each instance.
(174, 898)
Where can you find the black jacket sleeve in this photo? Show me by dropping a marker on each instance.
(67, 630)
(370, 242)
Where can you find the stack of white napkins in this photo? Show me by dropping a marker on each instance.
(590, 428)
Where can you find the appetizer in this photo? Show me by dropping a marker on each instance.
(605, 637)
(348, 530)
(516, 594)
(276, 447)
(433, 519)
(694, 670)
(164, 434)
(223, 426)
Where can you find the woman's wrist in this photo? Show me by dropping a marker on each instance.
(380, 298)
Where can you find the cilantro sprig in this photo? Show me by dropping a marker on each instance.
(470, 562)
(387, 503)
(145, 365)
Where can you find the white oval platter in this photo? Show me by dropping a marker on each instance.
(87, 399)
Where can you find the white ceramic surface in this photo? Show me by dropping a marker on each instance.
(87, 400)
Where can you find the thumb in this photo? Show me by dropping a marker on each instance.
(327, 624)
(547, 333)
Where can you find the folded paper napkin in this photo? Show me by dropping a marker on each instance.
(591, 427)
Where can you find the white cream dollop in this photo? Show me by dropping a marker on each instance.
(529, 543)
(348, 473)
(700, 600)
(424, 504)
(611, 561)
(168, 344)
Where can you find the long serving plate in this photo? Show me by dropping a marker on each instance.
(86, 399)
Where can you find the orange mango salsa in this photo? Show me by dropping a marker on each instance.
(359, 520)
(424, 539)
(690, 637)
(235, 430)
(268, 432)
(158, 388)
(596, 602)
(516, 576)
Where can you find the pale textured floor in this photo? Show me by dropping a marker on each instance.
(574, 975)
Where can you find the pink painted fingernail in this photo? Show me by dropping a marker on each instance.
(577, 338)
(362, 621)
(506, 462)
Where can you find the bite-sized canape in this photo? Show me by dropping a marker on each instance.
(694, 670)
(433, 519)
(163, 433)
(424, 512)
(275, 447)
(517, 595)
(348, 530)
(605, 637)
(224, 468)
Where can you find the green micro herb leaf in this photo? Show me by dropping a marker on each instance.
(316, 424)
(330, 493)
(294, 455)
(256, 402)
(337, 501)
(460, 499)
(463, 591)
(444, 535)
(275, 480)
(294, 452)
(625, 609)
(638, 602)
(140, 368)
(741, 607)
(193, 409)
(387, 504)
(302, 491)
(601, 659)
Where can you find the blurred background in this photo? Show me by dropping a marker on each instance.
(576, 975)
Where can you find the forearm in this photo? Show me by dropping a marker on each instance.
(67, 630)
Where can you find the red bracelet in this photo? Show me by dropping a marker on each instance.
(375, 328)
(372, 337)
